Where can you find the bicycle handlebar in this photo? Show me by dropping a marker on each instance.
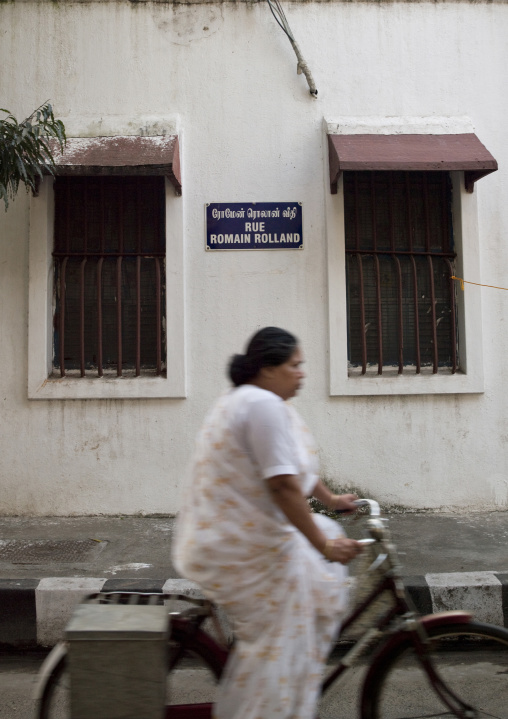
(375, 510)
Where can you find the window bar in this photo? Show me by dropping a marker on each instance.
(401, 325)
(426, 211)
(400, 253)
(363, 332)
(138, 286)
(85, 218)
(378, 279)
(453, 328)
(67, 218)
(119, 316)
(82, 285)
(417, 317)
(415, 276)
(158, 314)
(431, 274)
(159, 309)
(82, 317)
(445, 243)
(409, 214)
(56, 253)
(100, 370)
(379, 317)
(357, 223)
(63, 269)
(399, 277)
(138, 316)
(433, 313)
(119, 286)
(362, 316)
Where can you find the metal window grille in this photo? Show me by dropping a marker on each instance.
(399, 260)
(109, 263)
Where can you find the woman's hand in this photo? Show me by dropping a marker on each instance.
(342, 550)
(334, 501)
(343, 502)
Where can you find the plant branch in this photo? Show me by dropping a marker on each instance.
(24, 152)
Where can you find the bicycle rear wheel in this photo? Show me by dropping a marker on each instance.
(471, 658)
(191, 681)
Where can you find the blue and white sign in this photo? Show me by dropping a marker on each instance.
(254, 226)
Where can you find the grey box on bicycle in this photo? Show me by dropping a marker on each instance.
(117, 661)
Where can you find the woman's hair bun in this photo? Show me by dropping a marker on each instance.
(240, 370)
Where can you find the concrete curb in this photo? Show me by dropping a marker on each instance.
(34, 612)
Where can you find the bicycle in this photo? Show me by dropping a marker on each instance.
(411, 671)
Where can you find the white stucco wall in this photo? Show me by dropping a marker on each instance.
(251, 132)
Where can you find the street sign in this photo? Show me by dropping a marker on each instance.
(254, 226)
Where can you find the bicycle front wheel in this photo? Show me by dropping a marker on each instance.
(471, 658)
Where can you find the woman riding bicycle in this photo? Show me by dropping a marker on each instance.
(246, 536)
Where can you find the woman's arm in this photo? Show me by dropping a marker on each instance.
(287, 495)
(334, 501)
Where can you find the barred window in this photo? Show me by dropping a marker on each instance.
(399, 260)
(109, 263)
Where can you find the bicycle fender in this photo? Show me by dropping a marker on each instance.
(47, 668)
(458, 616)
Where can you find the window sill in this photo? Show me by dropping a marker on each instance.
(105, 388)
(393, 371)
(392, 383)
(75, 374)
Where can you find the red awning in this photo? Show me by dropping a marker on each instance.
(121, 155)
(410, 152)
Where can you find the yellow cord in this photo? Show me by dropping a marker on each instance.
(475, 283)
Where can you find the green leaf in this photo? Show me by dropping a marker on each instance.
(24, 151)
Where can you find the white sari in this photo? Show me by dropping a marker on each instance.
(284, 599)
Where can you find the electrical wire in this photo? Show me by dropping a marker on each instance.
(302, 67)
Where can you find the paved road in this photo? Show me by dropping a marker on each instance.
(18, 675)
